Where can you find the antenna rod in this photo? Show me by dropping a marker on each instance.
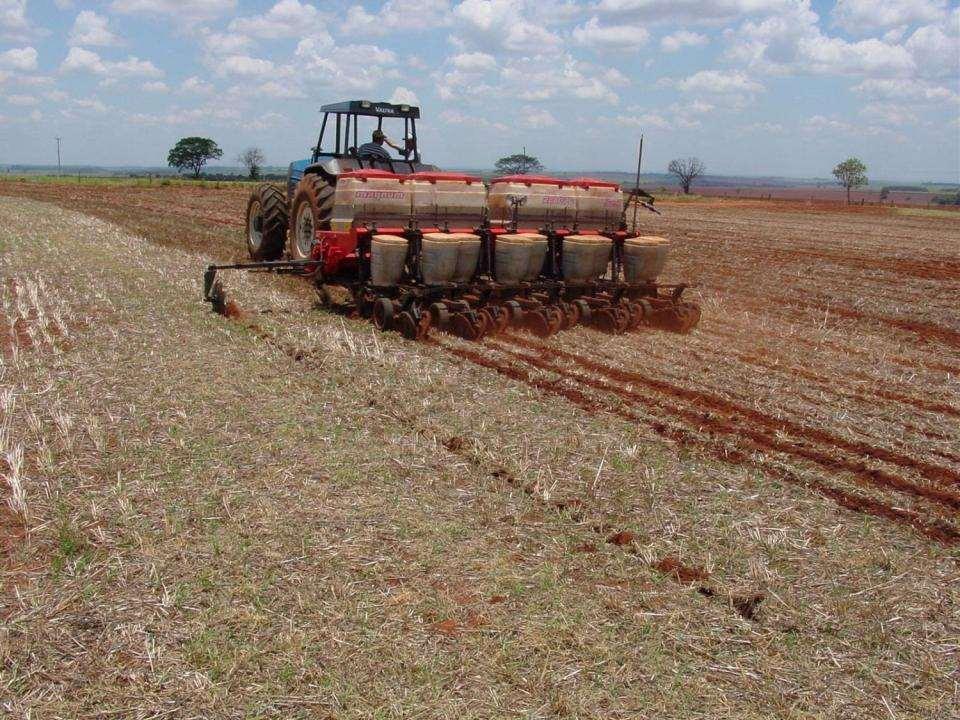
(639, 162)
(636, 195)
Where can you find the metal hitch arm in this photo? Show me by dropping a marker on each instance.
(211, 294)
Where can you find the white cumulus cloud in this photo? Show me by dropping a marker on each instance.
(24, 59)
(502, 23)
(865, 16)
(196, 85)
(474, 62)
(82, 60)
(188, 10)
(680, 39)
(245, 66)
(716, 81)
(410, 15)
(404, 96)
(13, 18)
(610, 37)
(287, 18)
(91, 29)
(536, 118)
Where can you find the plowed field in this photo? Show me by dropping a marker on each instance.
(286, 513)
(830, 345)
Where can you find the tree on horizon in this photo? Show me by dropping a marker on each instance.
(518, 164)
(851, 173)
(687, 170)
(192, 153)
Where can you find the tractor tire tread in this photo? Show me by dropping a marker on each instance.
(319, 193)
(275, 212)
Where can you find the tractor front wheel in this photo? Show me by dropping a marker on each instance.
(266, 223)
(311, 210)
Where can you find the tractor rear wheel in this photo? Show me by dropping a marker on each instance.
(311, 210)
(266, 223)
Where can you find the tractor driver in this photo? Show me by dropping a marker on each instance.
(375, 148)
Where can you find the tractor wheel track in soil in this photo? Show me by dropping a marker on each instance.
(726, 330)
(763, 426)
(932, 528)
(865, 391)
(927, 331)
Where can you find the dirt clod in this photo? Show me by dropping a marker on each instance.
(454, 444)
(624, 537)
(448, 627)
(682, 573)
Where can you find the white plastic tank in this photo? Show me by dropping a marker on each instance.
(546, 200)
(538, 255)
(511, 258)
(586, 257)
(578, 258)
(453, 199)
(599, 204)
(439, 253)
(468, 257)
(388, 253)
(367, 196)
(603, 249)
(644, 258)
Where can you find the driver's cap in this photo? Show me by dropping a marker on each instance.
(379, 135)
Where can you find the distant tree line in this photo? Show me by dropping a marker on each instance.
(193, 153)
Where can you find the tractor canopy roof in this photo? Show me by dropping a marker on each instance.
(374, 109)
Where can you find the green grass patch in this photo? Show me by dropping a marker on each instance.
(927, 212)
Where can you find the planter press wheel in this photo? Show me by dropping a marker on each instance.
(383, 314)
(586, 312)
(689, 316)
(501, 318)
(489, 321)
(514, 310)
(462, 326)
(571, 314)
(408, 327)
(483, 323)
(439, 315)
(538, 323)
(612, 320)
(637, 312)
(423, 327)
(621, 319)
(555, 319)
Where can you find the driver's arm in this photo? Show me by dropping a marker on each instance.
(389, 142)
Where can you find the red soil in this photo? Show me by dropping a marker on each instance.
(680, 572)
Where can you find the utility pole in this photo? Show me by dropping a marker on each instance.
(59, 166)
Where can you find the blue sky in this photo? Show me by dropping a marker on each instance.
(778, 87)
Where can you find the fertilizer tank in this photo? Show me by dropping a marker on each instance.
(599, 204)
(444, 198)
(545, 201)
(439, 253)
(586, 257)
(511, 255)
(371, 196)
(468, 256)
(388, 253)
(644, 258)
(538, 246)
